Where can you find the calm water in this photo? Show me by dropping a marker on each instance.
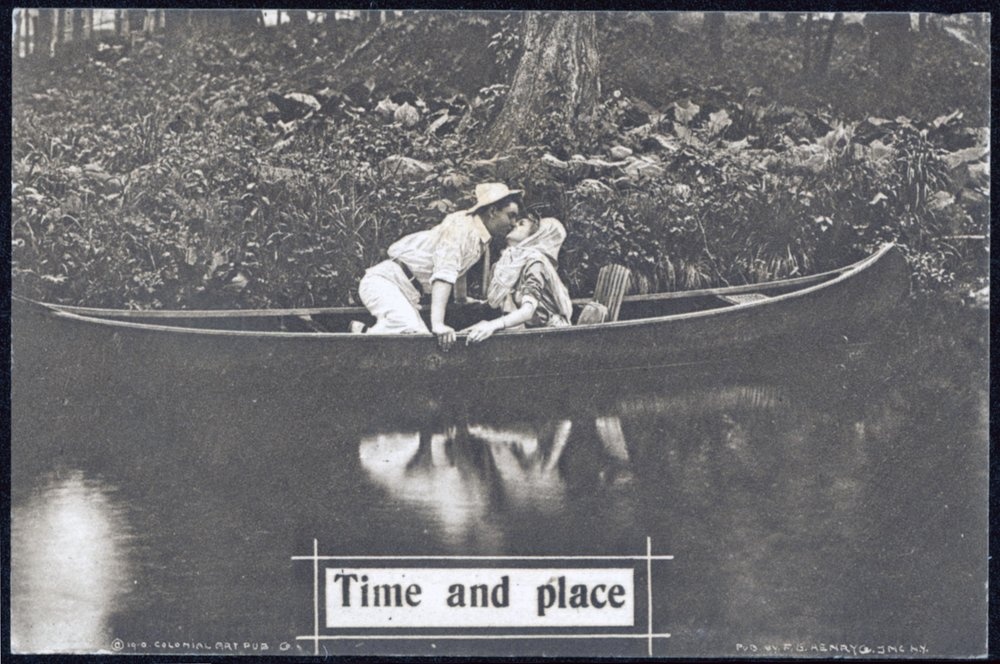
(834, 498)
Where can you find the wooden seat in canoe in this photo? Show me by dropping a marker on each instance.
(743, 298)
(612, 283)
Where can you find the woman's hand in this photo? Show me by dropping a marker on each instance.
(482, 330)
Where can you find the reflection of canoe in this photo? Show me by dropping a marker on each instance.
(654, 330)
(716, 399)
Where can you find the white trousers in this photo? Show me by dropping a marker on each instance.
(391, 299)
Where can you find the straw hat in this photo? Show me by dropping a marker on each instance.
(492, 192)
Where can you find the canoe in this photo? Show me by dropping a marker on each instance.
(654, 330)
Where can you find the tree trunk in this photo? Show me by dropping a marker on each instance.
(977, 24)
(765, 17)
(889, 42)
(23, 33)
(57, 28)
(297, 17)
(714, 24)
(174, 22)
(663, 20)
(922, 22)
(44, 33)
(136, 18)
(246, 19)
(20, 19)
(558, 73)
(791, 22)
(807, 45)
(77, 23)
(824, 63)
(31, 22)
(119, 22)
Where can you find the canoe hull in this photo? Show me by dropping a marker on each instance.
(48, 341)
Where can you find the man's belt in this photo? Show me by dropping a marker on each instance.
(408, 273)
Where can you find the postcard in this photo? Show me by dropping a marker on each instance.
(480, 333)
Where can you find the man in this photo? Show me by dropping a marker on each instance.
(431, 262)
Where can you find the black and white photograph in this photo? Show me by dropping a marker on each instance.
(481, 333)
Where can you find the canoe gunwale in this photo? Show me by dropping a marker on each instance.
(812, 284)
(324, 311)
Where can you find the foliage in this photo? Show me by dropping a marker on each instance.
(505, 44)
(156, 178)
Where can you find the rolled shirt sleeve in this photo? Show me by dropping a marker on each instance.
(531, 285)
(458, 246)
(446, 262)
(530, 299)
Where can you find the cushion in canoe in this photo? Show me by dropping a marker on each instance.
(592, 314)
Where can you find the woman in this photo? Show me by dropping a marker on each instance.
(525, 284)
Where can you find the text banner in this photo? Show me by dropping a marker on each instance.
(479, 597)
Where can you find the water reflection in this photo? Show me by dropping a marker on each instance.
(468, 478)
(833, 500)
(69, 566)
(755, 485)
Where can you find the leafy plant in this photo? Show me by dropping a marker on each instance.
(162, 183)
